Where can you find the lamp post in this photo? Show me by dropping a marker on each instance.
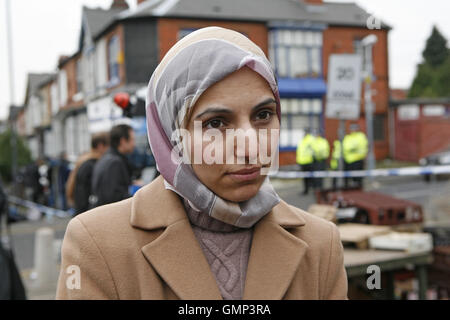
(11, 94)
(368, 43)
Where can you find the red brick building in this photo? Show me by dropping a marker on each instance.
(119, 49)
(421, 127)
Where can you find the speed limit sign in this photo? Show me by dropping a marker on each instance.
(344, 86)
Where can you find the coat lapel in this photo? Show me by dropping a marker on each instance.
(155, 207)
(275, 254)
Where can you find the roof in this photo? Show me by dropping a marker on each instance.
(36, 81)
(346, 14)
(98, 19)
(419, 101)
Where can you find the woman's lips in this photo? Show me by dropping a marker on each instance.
(245, 174)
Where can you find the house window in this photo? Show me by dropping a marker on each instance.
(79, 76)
(114, 60)
(296, 116)
(62, 88)
(185, 31)
(296, 53)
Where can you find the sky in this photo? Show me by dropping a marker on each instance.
(42, 30)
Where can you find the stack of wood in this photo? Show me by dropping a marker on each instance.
(365, 236)
(359, 234)
(323, 211)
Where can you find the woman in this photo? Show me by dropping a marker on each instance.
(211, 226)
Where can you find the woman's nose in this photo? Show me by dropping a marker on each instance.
(246, 144)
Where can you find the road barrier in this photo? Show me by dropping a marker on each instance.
(409, 171)
(48, 211)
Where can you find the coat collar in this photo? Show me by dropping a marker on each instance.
(274, 255)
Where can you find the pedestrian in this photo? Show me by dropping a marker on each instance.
(78, 187)
(321, 150)
(355, 149)
(63, 172)
(305, 158)
(111, 176)
(206, 230)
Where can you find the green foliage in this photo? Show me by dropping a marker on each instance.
(436, 51)
(23, 154)
(433, 75)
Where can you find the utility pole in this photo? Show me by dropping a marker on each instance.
(368, 43)
(11, 94)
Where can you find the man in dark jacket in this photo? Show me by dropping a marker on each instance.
(112, 173)
(81, 177)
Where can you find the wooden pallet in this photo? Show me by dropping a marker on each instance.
(359, 234)
(324, 211)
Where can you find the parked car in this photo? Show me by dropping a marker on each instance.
(436, 159)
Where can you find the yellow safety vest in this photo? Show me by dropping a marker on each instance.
(305, 151)
(334, 163)
(321, 149)
(355, 147)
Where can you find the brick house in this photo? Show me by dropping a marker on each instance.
(421, 126)
(297, 36)
(119, 49)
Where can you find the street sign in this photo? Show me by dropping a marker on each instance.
(344, 86)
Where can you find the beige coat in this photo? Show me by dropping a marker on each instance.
(144, 248)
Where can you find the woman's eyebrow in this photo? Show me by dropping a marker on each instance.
(213, 110)
(226, 110)
(263, 103)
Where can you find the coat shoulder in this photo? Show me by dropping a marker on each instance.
(316, 231)
(107, 220)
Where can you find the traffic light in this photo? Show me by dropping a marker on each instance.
(132, 106)
(122, 99)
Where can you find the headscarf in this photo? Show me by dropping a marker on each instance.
(191, 66)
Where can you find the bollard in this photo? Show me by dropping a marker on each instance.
(44, 258)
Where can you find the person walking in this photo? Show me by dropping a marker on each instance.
(355, 149)
(305, 158)
(207, 229)
(78, 188)
(111, 176)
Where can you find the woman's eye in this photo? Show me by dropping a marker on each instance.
(264, 115)
(214, 124)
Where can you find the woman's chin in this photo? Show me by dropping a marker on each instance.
(242, 193)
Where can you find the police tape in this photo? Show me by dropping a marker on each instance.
(48, 211)
(409, 171)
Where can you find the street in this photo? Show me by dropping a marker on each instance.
(415, 189)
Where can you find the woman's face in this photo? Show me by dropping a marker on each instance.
(231, 168)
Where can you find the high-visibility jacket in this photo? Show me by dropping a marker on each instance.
(355, 147)
(305, 151)
(335, 155)
(321, 149)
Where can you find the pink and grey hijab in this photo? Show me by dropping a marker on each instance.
(192, 65)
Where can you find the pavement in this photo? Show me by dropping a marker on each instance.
(432, 196)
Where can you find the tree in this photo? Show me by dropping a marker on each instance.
(436, 51)
(23, 155)
(433, 75)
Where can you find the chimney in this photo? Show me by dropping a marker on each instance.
(119, 4)
(318, 2)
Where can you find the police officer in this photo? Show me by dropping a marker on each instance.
(335, 158)
(355, 149)
(321, 149)
(305, 157)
